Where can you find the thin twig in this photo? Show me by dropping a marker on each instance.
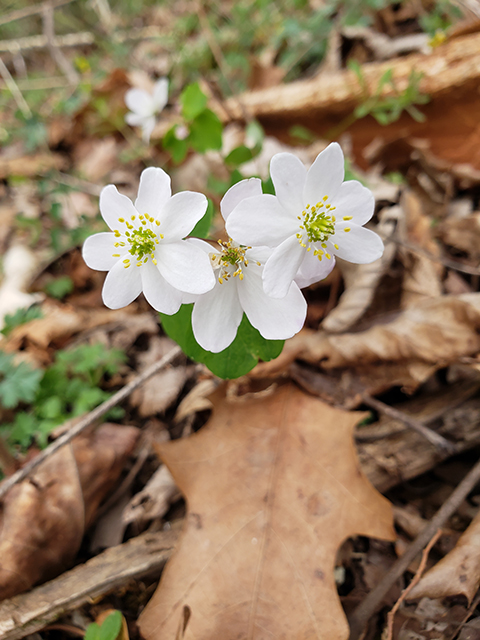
(433, 437)
(55, 51)
(368, 607)
(416, 579)
(89, 419)
(14, 90)
(30, 11)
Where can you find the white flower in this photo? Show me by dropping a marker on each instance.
(239, 288)
(144, 105)
(145, 250)
(313, 217)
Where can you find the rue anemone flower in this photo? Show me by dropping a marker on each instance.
(144, 105)
(239, 288)
(313, 217)
(145, 251)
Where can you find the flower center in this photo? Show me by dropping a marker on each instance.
(318, 224)
(231, 261)
(142, 241)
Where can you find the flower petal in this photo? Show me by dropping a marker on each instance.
(139, 101)
(275, 319)
(325, 175)
(181, 214)
(355, 200)
(243, 189)
(281, 268)
(288, 176)
(134, 119)
(359, 245)
(261, 220)
(148, 125)
(158, 292)
(216, 316)
(154, 191)
(186, 267)
(313, 270)
(121, 286)
(160, 94)
(98, 249)
(114, 205)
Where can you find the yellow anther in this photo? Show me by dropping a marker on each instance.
(140, 216)
(116, 244)
(327, 255)
(220, 281)
(324, 245)
(241, 276)
(127, 260)
(121, 219)
(336, 246)
(347, 217)
(117, 234)
(308, 206)
(325, 198)
(161, 236)
(309, 248)
(347, 229)
(115, 255)
(132, 217)
(157, 222)
(154, 260)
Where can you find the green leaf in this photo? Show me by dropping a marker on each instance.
(22, 429)
(60, 287)
(111, 626)
(18, 383)
(92, 632)
(193, 101)
(239, 155)
(255, 134)
(21, 316)
(206, 132)
(236, 360)
(177, 148)
(202, 228)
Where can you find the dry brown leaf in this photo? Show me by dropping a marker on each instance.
(31, 166)
(419, 340)
(273, 487)
(154, 500)
(42, 519)
(463, 233)
(457, 573)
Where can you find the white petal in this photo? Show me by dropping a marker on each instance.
(114, 205)
(204, 246)
(359, 245)
(282, 266)
(161, 295)
(325, 175)
(275, 319)
(121, 286)
(134, 119)
(216, 316)
(186, 267)
(98, 249)
(288, 176)
(243, 189)
(259, 254)
(148, 125)
(181, 214)
(160, 94)
(353, 199)
(313, 270)
(154, 192)
(139, 101)
(261, 221)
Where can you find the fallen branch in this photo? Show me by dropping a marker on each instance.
(89, 419)
(29, 612)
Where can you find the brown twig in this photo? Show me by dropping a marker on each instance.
(14, 90)
(416, 579)
(368, 607)
(450, 264)
(55, 51)
(433, 437)
(88, 420)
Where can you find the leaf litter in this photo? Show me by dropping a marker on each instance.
(405, 326)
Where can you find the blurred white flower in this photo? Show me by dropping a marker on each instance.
(145, 250)
(313, 217)
(144, 105)
(238, 288)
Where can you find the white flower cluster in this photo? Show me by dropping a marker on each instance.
(277, 244)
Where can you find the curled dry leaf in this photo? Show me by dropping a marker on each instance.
(457, 573)
(154, 500)
(361, 280)
(42, 519)
(419, 340)
(273, 487)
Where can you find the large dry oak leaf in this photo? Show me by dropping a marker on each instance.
(274, 487)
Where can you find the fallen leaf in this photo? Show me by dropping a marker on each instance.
(411, 345)
(273, 487)
(154, 500)
(457, 573)
(32, 165)
(43, 518)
